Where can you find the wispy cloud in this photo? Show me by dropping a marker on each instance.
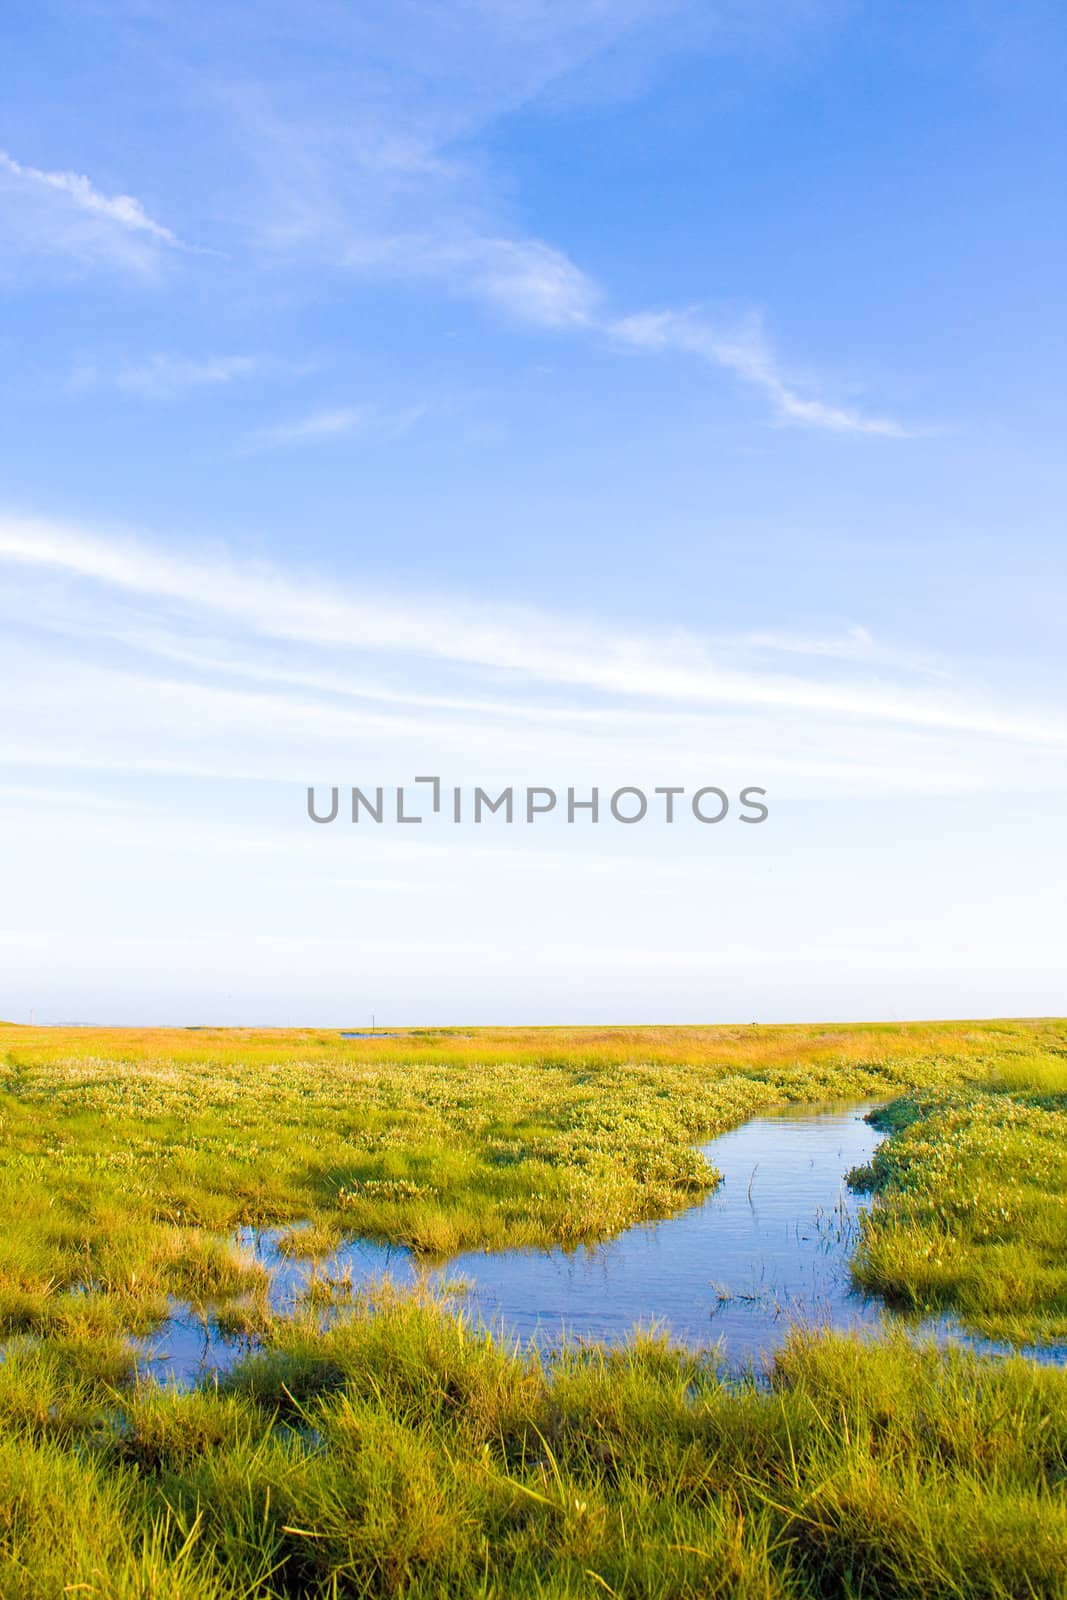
(393, 186)
(745, 351)
(533, 281)
(529, 280)
(338, 422)
(525, 644)
(390, 183)
(122, 209)
(854, 644)
(64, 212)
(538, 284)
(342, 421)
(161, 377)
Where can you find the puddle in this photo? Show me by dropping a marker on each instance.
(768, 1248)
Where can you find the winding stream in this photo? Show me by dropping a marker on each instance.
(768, 1248)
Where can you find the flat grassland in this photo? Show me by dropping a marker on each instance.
(401, 1451)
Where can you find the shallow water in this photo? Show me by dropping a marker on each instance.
(769, 1245)
(768, 1248)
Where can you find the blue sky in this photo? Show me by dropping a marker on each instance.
(608, 393)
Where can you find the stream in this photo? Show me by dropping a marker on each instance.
(768, 1248)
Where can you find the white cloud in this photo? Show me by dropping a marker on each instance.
(260, 713)
(745, 352)
(537, 284)
(521, 643)
(394, 184)
(162, 376)
(530, 280)
(329, 424)
(337, 422)
(389, 182)
(856, 643)
(122, 209)
(892, 809)
(66, 214)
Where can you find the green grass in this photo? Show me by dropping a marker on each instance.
(127, 1156)
(972, 1212)
(401, 1451)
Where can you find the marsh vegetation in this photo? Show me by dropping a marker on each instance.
(400, 1449)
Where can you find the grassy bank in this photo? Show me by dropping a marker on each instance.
(404, 1454)
(972, 1213)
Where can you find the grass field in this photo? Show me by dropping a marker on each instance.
(402, 1451)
